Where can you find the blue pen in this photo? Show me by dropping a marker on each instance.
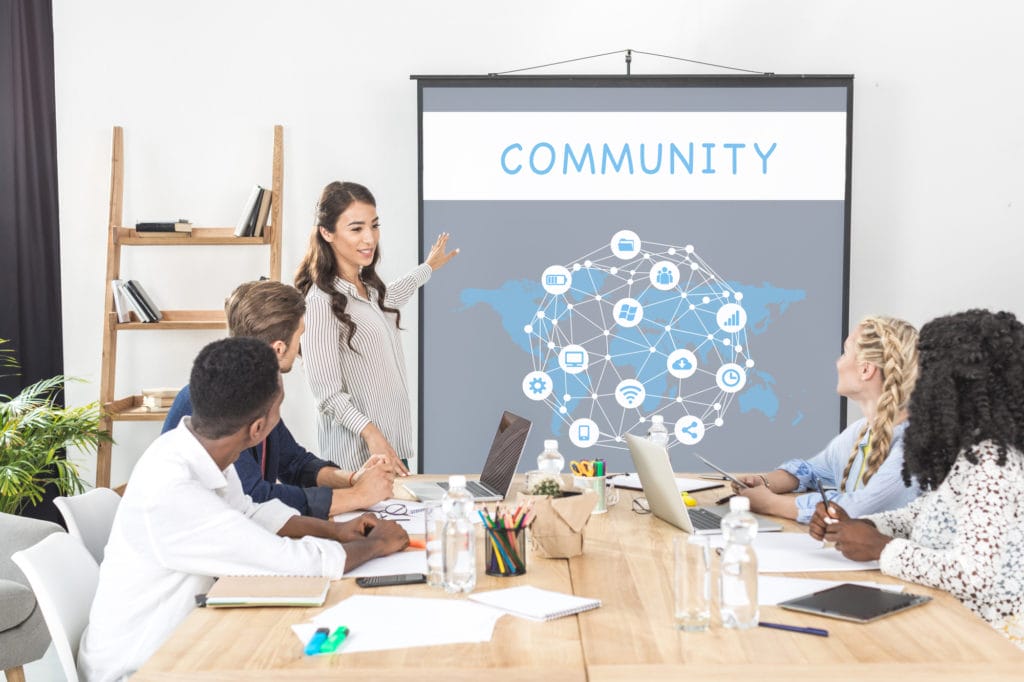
(795, 628)
(315, 642)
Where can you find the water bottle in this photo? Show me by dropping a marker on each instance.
(457, 553)
(658, 434)
(550, 461)
(738, 579)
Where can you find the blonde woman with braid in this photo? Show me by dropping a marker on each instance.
(862, 465)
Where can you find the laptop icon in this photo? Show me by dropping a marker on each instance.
(500, 467)
(655, 471)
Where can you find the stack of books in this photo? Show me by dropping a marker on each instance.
(178, 228)
(253, 220)
(158, 399)
(130, 296)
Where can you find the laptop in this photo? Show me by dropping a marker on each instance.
(656, 475)
(500, 467)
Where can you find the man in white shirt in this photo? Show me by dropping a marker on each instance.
(184, 519)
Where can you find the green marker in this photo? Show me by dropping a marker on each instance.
(334, 641)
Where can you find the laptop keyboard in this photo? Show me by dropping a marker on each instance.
(704, 519)
(475, 488)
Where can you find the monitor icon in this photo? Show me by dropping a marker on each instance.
(574, 358)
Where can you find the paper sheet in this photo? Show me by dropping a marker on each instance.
(794, 553)
(771, 589)
(690, 485)
(411, 561)
(377, 623)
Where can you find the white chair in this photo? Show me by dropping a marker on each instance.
(64, 576)
(89, 517)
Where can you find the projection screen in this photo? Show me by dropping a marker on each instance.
(634, 246)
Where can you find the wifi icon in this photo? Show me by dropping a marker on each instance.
(630, 393)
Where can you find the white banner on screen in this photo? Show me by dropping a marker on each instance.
(708, 156)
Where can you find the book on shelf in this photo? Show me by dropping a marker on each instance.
(161, 392)
(264, 212)
(154, 403)
(247, 221)
(181, 226)
(143, 304)
(121, 304)
(266, 590)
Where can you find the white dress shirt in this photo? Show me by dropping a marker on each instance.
(182, 522)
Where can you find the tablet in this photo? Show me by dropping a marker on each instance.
(728, 476)
(856, 603)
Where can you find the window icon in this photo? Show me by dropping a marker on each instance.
(628, 312)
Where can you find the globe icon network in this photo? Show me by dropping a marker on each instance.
(635, 329)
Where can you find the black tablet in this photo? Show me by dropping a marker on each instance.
(855, 602)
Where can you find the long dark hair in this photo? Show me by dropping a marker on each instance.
(970, 389)
(319, 267)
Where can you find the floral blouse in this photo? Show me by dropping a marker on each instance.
(967, 537)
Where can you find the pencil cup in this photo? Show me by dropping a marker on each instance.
(607, 493)
(504, 552)
(432, 537)
(691, 585)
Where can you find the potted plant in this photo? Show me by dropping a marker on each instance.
(34, 431)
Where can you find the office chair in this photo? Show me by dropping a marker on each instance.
(64, 577)
(89, 517)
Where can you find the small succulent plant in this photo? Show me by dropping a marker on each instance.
(548, 486)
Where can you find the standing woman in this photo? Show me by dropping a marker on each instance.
(877, 370)
(351, 346)
(966, 446)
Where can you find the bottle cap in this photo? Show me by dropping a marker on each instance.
(739, 503)
(551, 445)
(657, 419)
(456, 481)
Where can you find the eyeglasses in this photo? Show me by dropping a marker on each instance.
(641, 506)
(397, 511)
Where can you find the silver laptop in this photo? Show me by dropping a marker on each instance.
(655, 471)
(500, 467)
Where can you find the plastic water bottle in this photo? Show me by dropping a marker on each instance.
(550, 461)
(457, 552)
(738, 580)
(658, 434)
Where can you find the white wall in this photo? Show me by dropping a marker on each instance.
(198, 85)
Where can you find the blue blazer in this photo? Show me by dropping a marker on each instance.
(288, 462)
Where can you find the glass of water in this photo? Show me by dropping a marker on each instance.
(434, 518)
(691, 584)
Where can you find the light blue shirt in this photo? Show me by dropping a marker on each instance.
(884, 491)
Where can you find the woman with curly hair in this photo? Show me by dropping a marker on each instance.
(965, 446)
(877, 370)
(351, 345)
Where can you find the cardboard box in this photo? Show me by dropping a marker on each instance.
(558, 529)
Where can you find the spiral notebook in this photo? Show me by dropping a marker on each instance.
(267, 590)
(527, 601)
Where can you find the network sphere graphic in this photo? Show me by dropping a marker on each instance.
(636, 329)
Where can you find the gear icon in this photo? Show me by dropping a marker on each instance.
(538, 385)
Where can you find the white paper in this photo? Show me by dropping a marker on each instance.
(411, 561)
(533, 603)
(795, 553)
(377, 623)
(411, 522)
(690, 485)
(771, 589)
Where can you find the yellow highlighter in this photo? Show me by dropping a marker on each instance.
(688, 499)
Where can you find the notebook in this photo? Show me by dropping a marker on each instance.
(527, 601)
(655, 471)
(267, 590)
(855, 602)
(502, 461)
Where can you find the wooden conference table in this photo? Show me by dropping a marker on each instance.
(627, 564)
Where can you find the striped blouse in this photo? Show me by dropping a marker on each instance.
(352, 389)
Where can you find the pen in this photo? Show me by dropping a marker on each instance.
(824, 500)
(723, 500)
(417, 544)
(316, 641)
(795, 628)
(334, 641)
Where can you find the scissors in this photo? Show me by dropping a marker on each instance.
(582, 468)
